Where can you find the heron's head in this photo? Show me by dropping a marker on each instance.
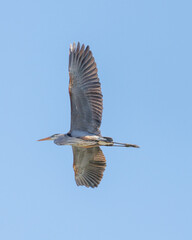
(52, 137)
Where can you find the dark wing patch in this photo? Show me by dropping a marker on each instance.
(84, 90)
(89, 165)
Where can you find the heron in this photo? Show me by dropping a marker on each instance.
(86, 114)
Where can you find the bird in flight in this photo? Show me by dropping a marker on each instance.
(86, 114)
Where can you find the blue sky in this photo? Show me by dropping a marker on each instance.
(144, 56)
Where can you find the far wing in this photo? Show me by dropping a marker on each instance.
(89, 165)
(85, 90)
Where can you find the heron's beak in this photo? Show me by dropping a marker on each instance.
(44, 139)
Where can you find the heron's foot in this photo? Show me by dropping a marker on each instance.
(131, 145)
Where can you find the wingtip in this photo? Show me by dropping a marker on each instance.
(72, 47)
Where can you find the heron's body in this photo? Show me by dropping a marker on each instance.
(86, 140)
(86, 115)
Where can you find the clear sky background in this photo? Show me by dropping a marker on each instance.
(143, 51)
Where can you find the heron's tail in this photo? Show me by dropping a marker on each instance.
(116, 144)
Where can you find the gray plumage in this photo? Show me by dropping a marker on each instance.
(86, 114)
(89, 165)
(84, 90)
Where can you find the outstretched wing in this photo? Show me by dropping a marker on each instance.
(89, 165)
(84, 90)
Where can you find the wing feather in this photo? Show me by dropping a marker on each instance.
(85, 90)
(89, 165)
